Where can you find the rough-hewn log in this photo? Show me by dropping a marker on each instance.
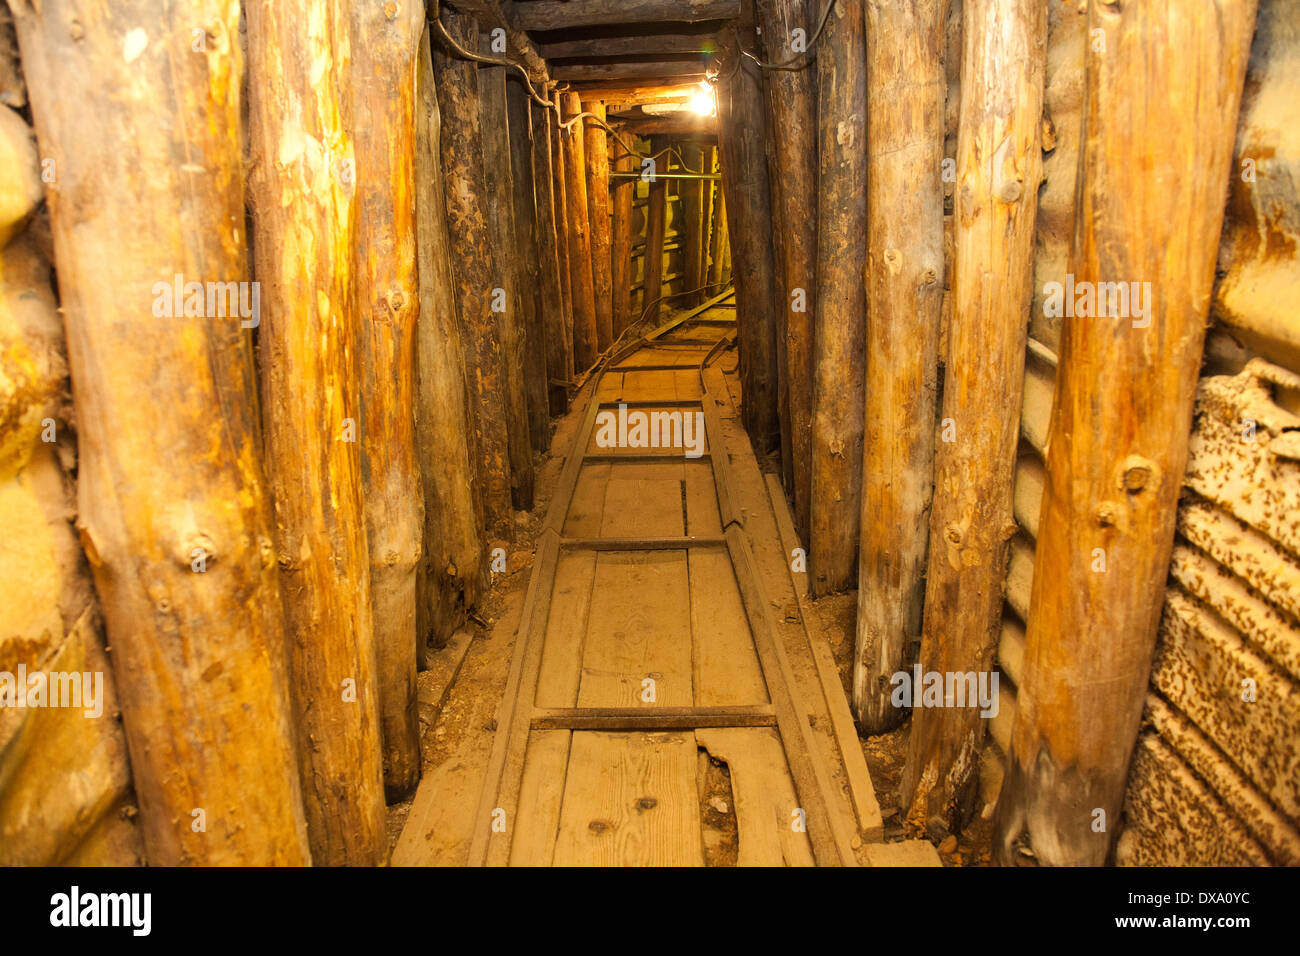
(792, 156)
(462, 162)
(565, 14)
(717, 239)
(519, 45)
(386, 293)
(655, 225)
(549, 264)
(529, 272)
(560, 186)
(643, 46)
(198, 657)
(454, 570)
(741, 135)
(664, 70)
(904, 283)
(596, 151)
(621, 243)
(582, 280)
(507, 285)
(999, 162)
(303, 229)
(840, 320)
(692, 229)
(1125, 386)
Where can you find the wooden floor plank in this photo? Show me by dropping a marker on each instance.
(644, 507)
(702, 518)
(630, 799)
(764, 793)
(537, 820)
(639, 629)
(587, 510)
(557, 681)
(726, 666)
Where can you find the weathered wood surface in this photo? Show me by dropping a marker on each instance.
(596, 151)
(840, 322)
(791, 131)
(718, 239)
(745, 176)
(582, 279)
(507, 286)
(656, 225)
(561, 14)
(904, 288)
(454, 571)
(386, 293)
(303, 230)
(1125, 386)
(692, 229)
(198, 657)
(551, 266)
(528, 239)
(461, 145)
(999, 160)
(621, 276)
(560, 183)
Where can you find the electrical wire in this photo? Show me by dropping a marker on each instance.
(800, 60)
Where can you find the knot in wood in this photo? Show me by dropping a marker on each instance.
(1137, 473)
(396, 299)
(1011, 191)
(1106, 514)
(390, 9)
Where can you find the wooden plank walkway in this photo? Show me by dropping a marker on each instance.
(650, 640)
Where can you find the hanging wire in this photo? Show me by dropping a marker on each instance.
(800, 60)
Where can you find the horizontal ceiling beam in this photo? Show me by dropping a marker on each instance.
(658, 45)
(564, 14)
(677, 71)
(633, 94)
(519, 44)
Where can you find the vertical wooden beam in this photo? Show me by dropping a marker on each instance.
(386, 293)
(559, 166)
(596, 151)
(792, 155)
(180, 549)
(692, 228)
(1125, 387)
(303, 202)
(655, 224)
(711, 190)
(621, 253)
(840, 321)
(454, 569)
(741, 134)
(999, 162)
(462, 162)
(507, 287)
(527, 228)
(717, 240)
(904, 282)
(550, 264)
(585, 337)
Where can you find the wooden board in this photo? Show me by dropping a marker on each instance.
(538, 818)
(726, 668)
(630, 799)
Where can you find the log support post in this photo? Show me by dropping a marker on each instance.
(904, 284)
(655, 225)
(551, 267)
(585, 337)
(999, 162)
(838, 373)
(621, 242)
(1125, 386)
(596, 150)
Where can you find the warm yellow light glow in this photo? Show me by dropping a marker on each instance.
(703, 102)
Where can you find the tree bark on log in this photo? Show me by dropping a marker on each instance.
(718, 240)
(386, 293)
(303, 202)
(454, 570)
(904, 282)
(999, 163)
(198, 658)
(741, 135)
(692, 230)
(527, 229)
(550, 265)
(1119, 435)
(792, 156)
(621, 252)
(656, 223)
(582, 280)
(559, 165)
(507, 287)
(596, 150)
(462, 162)
(840, 320)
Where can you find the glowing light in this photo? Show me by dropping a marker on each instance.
(703, 102)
